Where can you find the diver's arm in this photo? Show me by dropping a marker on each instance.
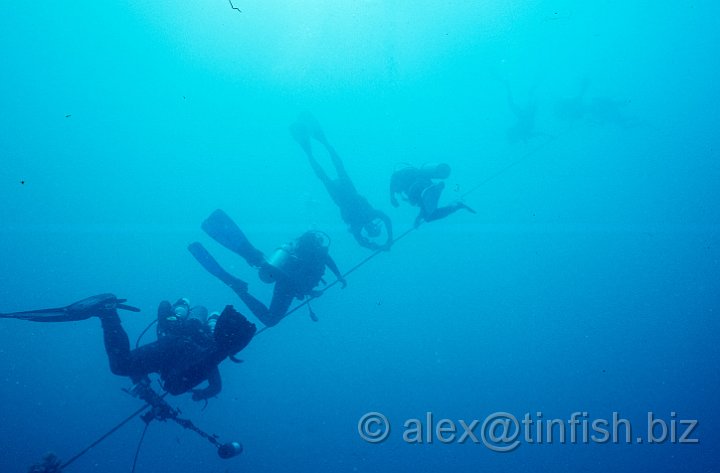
(376, 214)
(388, 229)
(213, 388)
(330, 263)
(357, 233)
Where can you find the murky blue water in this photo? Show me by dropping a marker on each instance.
(585, 136)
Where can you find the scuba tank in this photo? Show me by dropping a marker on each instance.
(198, 312)
(277, 265)
(297, 261)
(212, 320)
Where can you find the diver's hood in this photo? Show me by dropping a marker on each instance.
(233, 331)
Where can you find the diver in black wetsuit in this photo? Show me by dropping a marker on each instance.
(523, 130)
(184, 358)
(295, 268)
(365, 222)
(418, 188)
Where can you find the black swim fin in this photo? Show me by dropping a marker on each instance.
(80, 310)
(311, 127)
(462, 205)
(211, 265)
(226, 232)
(300, 132)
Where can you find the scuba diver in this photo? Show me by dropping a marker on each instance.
(524, 127)
(417, 187)
(600, 111)
(573, 109)
(184, 357)
(296, 268)
(365, 222)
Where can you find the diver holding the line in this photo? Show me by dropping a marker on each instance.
(296, 268)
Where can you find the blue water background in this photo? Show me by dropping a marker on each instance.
(588, 280)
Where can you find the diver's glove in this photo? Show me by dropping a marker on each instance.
(142, 390)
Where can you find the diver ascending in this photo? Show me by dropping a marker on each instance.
(296, 268)
(523, 130)
(418, 188)
(365, 222)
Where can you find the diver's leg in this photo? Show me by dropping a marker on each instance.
(320, 172)
(306, 126)
(300, 132)
(429, 199)
(213, 267)
(282, 298)
(117, 343)
(302, 136)
(440, 213)
(429, 204)
(152, 357)
(309, 125)
(337, 162)
(226, 232)
(136, 363)
(258, 309)
(238, 286)
(443, 212)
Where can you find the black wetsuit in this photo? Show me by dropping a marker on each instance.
(411, 182)
(183, 359)
(304, 271)
(355, 209)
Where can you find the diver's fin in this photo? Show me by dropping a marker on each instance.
(463, 205)
(207, 261)
(42, 315)
(226, 232)
(300, 132)
(312, 127)
(100, 302)
(81, 310)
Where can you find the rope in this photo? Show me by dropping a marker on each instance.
(483, 182)
(506, 168)
(103, 437)
(137, 451)
(344, 275)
